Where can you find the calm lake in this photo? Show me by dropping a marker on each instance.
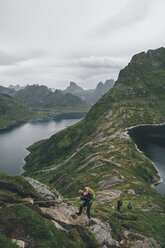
(151, 141)
(15, 140)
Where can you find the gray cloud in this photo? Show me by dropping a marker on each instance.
(48, 41)
(132, 13)
(12, 58)
(99, 62)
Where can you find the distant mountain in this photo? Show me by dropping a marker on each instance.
(33, 95)
(90, 96)
(12, 111)
(40, 97)
(5, 90)
(16, 87)
(100, 90)
(73, 88)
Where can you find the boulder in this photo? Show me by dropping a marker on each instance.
(102, 233)
(131, 192)
(146, 243)
(41, 188)
(20, 243)
(57, 225)
(112, 180)
(107, 195)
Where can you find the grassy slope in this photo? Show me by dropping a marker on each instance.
(26, 222)
(12, 111)
(98, 140)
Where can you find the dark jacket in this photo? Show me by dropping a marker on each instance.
(86, 197)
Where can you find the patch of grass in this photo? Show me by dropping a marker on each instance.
(18, 185)
(6, 242)
(83, 237)
(42, 230)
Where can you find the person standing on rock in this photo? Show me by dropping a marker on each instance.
(87, 196)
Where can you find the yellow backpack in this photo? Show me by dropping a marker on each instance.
(92, 193)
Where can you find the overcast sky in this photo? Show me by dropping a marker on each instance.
(53, 42)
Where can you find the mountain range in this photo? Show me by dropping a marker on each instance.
(90, 96)
(36, 102)
(44, 102)
(40, 97)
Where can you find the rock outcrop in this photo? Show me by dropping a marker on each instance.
(146, 243)
(41, 188)
(65, 214)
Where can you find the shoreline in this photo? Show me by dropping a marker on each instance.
(75, 116)
(61, 115)
(160, 180)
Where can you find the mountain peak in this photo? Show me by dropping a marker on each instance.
(73, 88)
(73, 84)
(140, 65)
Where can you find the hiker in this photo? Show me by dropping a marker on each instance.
(129, 206)
(86, 196)
(119, 204)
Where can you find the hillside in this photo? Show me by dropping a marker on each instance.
(12, 111)
(41, 98)
(25, 224)
(99, 153)
(33, 94)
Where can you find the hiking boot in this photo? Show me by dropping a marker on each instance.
(78, 213)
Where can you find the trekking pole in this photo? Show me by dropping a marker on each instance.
(74, 198)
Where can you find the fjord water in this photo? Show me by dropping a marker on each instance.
(15, 140)
(151, 141)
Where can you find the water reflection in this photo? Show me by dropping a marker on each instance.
(151, 141)
(15, 140)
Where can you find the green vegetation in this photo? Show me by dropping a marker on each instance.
(6, 242)
(12, 188)
(35, 102)
(43, 231)
(139, 220)
(41, 98)
(13, 111)
(5, 90)
(26, 222)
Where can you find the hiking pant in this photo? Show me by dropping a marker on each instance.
(87, 204)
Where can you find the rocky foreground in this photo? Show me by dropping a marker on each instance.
(62, 215)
